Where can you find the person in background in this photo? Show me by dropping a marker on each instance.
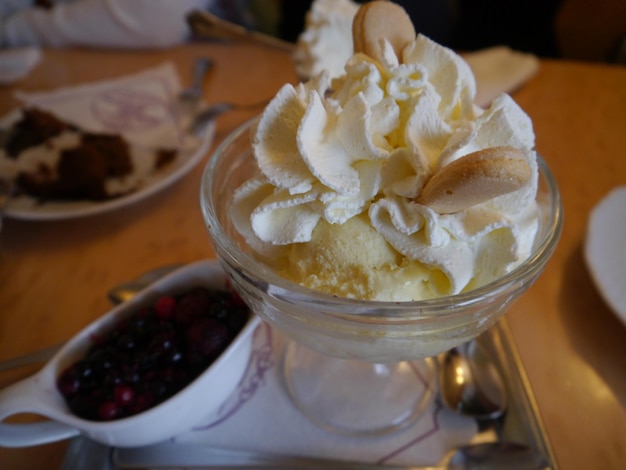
(526, 26)
(433, 18)
(464, 25)
(95, 23)
(117, 23)
(547, 28)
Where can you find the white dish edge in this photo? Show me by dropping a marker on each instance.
(605, 249)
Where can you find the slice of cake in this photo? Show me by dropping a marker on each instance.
(50, 159)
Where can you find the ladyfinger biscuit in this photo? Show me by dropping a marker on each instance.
(475, 178)
(381, 19)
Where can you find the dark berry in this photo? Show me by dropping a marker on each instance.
(235, 320)
(84, 406)
(104, 358)
(108, 411)
(165, 307)
(112, 378)
(175, 356)
(237, 301)
(131, 376)
(162, 342)
(151, 355)
(127, 342)
(68, 383)
(143, 401)
(84, 370)
(192, 305)
(219, 310)
(142, 325)
(207, 336)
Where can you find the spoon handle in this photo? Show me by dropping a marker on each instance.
(201, 67)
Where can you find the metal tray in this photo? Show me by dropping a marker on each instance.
(523, 423)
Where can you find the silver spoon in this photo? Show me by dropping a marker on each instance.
(470, 384)
(127, 290)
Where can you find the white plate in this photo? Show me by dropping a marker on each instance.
(17, 62)
(28, 208)
(605, 249)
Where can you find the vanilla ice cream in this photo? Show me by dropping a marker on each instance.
(343, 162)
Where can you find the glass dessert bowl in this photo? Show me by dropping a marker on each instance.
(381, 334)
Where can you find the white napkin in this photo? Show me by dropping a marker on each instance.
(499, 70)
(142, 107)
(261, 417)
(17, 62)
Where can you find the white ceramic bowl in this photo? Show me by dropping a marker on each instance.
(38, 394)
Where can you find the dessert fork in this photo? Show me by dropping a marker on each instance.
(190, 98)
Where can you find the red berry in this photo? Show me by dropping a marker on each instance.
(236, 299)
(165, 307)
(124, 395)
(108, 411)
(207, 337)
(68, 383)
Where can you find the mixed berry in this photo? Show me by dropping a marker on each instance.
(149, 356)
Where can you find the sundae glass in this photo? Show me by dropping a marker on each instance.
(346, 357)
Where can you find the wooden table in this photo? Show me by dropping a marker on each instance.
(54, 275)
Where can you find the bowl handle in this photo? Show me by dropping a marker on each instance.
(27, 396)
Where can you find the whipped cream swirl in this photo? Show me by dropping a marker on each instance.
(366, 143)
